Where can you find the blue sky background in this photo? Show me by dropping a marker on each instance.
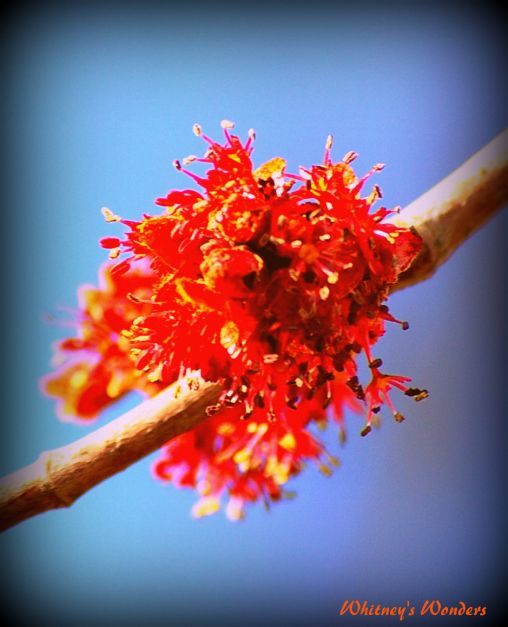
(97, 103)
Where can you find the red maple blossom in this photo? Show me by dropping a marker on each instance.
(269, 282)
(94, 368)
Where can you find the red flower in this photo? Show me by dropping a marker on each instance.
(270, 283)
(95, 368)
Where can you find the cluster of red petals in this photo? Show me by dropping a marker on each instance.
(268, 282)
(94, 368)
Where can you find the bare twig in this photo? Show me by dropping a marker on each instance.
(448, 213)
(62, 475)
(444, 216)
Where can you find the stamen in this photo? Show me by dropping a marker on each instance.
(122, 267)
(259, 400)
(292, 402)
(328, 148)
(227, 124)
(109, 216)
(251, 138)
(342, 436)
(271, 358)
(325, 470)
(349, 157)
(295, 177)
(386, 315)
(417, 394)
(199, 180)
(324, 292)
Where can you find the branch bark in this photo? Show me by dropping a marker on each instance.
(448, 213)
(62, 475)
(445, 216)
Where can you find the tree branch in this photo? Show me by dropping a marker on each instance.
(445, 216)
(448, 213)
(62, 475)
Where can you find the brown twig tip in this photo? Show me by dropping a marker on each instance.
(447, 214)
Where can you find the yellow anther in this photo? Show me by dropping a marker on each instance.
(324, 292)
(288, 442)
(114, 387)
(242, 456)
(109, 216)
(263, 428)
(205, 507)
(226, 428)
(78, 379)
(325, 470)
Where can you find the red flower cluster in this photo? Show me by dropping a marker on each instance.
(268, 282)
(94, 369)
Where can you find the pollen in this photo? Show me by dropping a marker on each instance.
(205, 507)
(262, 428)
(242, 457)
(270, 359)
(226, 428)
(271, 168)
(324, 292)
(114, 387)
(308, 252)
(229, 336)
(325, 470)
(288, 442)
(109, 216)
(78, 379)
